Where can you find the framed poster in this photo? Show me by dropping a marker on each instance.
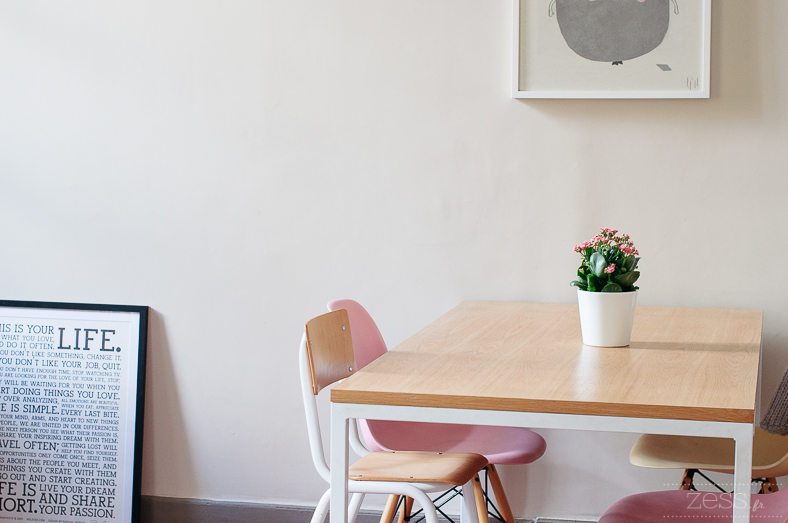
(612, 48)
(72, 384)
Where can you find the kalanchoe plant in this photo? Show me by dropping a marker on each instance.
(609, 263)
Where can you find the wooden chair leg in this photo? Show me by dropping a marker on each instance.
(481, 506)
(500, 495)
(686, 480)
(390, 510)
(769, 486)
(404, 513)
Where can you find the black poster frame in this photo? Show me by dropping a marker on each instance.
(141, 357)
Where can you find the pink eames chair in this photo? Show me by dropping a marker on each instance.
(500, 445)
(694, 507)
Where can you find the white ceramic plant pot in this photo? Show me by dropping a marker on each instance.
(606, 317)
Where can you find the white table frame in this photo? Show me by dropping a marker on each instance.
(342, 413)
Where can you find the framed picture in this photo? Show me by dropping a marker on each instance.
(612, 48)
(72, 384)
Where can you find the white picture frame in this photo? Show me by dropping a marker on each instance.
(548, 59)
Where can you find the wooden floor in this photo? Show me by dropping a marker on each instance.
(176, 510)
(156, 509)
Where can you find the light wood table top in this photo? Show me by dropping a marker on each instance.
(683, 363)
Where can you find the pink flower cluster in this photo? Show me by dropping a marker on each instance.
(607, 238)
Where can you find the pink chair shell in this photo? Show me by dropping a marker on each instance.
(694, 507)
(500, 445)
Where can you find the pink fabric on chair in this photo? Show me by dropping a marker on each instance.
(694, 507)
(500, 445)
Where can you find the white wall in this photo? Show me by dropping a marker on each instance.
(235, 165)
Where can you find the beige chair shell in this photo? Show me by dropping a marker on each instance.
(769, 458)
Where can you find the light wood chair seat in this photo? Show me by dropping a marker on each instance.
(455, 468)
(769, 456)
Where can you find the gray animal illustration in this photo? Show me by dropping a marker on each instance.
(612, 30)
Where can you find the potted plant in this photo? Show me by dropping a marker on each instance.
(606, 291)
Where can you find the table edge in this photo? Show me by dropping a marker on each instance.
(545, 406)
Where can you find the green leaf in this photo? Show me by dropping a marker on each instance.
(628, 278)
(636, 263)
(594, 284)
(579, 285)
(598, 264)
(611, 287)
(629, 263)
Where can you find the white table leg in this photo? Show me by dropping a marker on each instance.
(468, 512)
(742, 476)
(339, 464)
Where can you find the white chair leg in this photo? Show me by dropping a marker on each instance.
(430, 514)
(468, 512)
(322, 508)
(354, 507)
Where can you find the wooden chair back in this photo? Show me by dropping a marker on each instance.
(329, 349)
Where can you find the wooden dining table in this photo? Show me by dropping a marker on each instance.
(687, 371)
